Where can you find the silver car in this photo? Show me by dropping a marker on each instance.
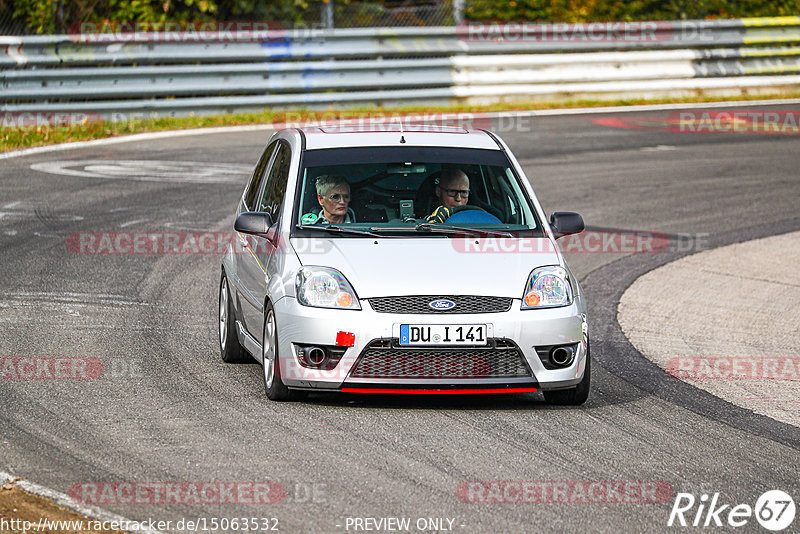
(377, 260)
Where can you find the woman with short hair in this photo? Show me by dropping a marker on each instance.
(333, 194)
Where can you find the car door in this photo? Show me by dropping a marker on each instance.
(259, 261)
(245, 299)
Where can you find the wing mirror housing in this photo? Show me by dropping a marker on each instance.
(566, 223)
(253, 223)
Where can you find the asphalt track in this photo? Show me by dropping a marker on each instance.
(166, 409)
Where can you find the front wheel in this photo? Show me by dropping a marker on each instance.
(573, 396)
(273, 384)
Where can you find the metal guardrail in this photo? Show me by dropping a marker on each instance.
(180, 80)
(178, 74)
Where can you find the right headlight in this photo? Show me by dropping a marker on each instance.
(323, 287)
(547, 287)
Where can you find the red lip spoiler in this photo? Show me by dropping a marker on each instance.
(399, 391)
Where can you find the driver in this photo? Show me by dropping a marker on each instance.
(333, 194)
(452, 189)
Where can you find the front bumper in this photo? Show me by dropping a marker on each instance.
(302, 325)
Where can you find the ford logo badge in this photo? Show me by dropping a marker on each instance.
(442, 304)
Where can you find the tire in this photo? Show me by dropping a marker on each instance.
(273, 384)
(230, 349)
(573, 396)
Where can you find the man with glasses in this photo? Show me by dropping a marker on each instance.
(333, 194)
(452, 189)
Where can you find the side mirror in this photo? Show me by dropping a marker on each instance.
(253, 222)
(566, 223)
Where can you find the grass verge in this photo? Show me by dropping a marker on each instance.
(12, 138)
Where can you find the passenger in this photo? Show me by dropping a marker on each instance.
(333, 194)
(452, 189)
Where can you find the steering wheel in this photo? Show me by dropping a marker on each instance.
(472, 214)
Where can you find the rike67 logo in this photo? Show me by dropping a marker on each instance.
(774, 510)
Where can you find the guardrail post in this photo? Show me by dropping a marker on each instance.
(327, 14)
(458, 11)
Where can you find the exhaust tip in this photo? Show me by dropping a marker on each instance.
(562, 356)
(316, 356)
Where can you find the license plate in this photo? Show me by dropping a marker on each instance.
(443, 334)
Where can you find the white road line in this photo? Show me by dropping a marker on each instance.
(64, 500)
(83, 299)
(148, 170)
(130, 223)
(495, 114)
(43, 213)
(658, 148)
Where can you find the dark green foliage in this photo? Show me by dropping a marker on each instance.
(620, 10)
(63, 16)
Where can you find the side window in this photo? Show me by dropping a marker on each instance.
(278, 177)
(258, 174)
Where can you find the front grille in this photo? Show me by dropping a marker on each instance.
(421, 304)
(385, 359)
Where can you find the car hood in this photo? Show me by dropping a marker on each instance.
(431, 265)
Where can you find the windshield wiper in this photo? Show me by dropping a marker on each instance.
(449, 229)
(336, 229)
(422, 227)
(440, 229)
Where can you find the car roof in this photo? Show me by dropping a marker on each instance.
(340, 136)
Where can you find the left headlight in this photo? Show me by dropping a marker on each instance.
(323, 287)
(547, 287)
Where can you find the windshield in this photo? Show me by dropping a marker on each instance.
(395, 190)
